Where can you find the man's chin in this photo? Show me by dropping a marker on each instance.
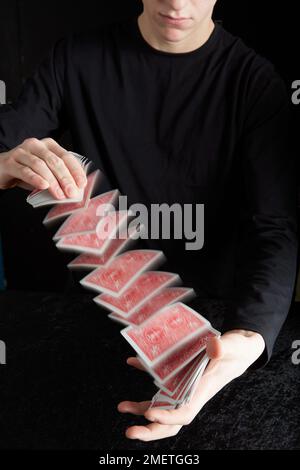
(173, 35)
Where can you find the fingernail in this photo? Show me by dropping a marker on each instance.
(71, 191)
(60, 194)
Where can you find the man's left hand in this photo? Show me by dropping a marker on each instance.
(230, 356)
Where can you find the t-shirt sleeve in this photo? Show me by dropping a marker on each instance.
(267, 249)
(38, 111)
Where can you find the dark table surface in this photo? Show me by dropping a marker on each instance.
(66, 373)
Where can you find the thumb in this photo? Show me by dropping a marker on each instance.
(135, 362)
(214, 348)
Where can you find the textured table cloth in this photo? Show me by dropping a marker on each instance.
(66, 373)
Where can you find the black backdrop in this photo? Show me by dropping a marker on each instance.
(28, 28)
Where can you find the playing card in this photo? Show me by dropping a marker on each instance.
(173, 396)
(118, 318)
(162, 405)
(172, 385)
(164, 398)
(173, 363)
(121, 272)
(167, 296)
(161, 398)
(60, 211)
(164, 332)
(146, 285)
(86, 220)
(184, 392)
(192, 386)
(96, 242)
(87, 261)
(155, 303)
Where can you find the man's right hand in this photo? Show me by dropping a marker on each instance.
(42, 164)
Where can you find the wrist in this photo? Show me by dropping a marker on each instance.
(253, 340)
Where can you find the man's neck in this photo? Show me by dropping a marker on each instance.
(189, 43)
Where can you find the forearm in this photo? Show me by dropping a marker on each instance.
(265, 279)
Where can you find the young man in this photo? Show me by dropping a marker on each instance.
(175, 109)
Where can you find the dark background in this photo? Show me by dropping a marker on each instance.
(27, 30)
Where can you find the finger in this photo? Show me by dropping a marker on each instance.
(70, 161)
(26, 175)
(55, 164)
(38, 166)
(152, 432)
(136, 408)
(26, 186)
(183, 415)
(75, 169)
(227, 344)
(54, 146)
(135, 362)
(214, 348)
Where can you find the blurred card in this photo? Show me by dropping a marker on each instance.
(88, 261)
(86, 220)
(164, 332)
(96, 242)
(167, 296)
(182, 356)
(122, 271)
(146, 285)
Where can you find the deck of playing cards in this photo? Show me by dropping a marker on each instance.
(171, 346)
(168, 337)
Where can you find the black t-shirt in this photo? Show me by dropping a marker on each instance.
(208, 126)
